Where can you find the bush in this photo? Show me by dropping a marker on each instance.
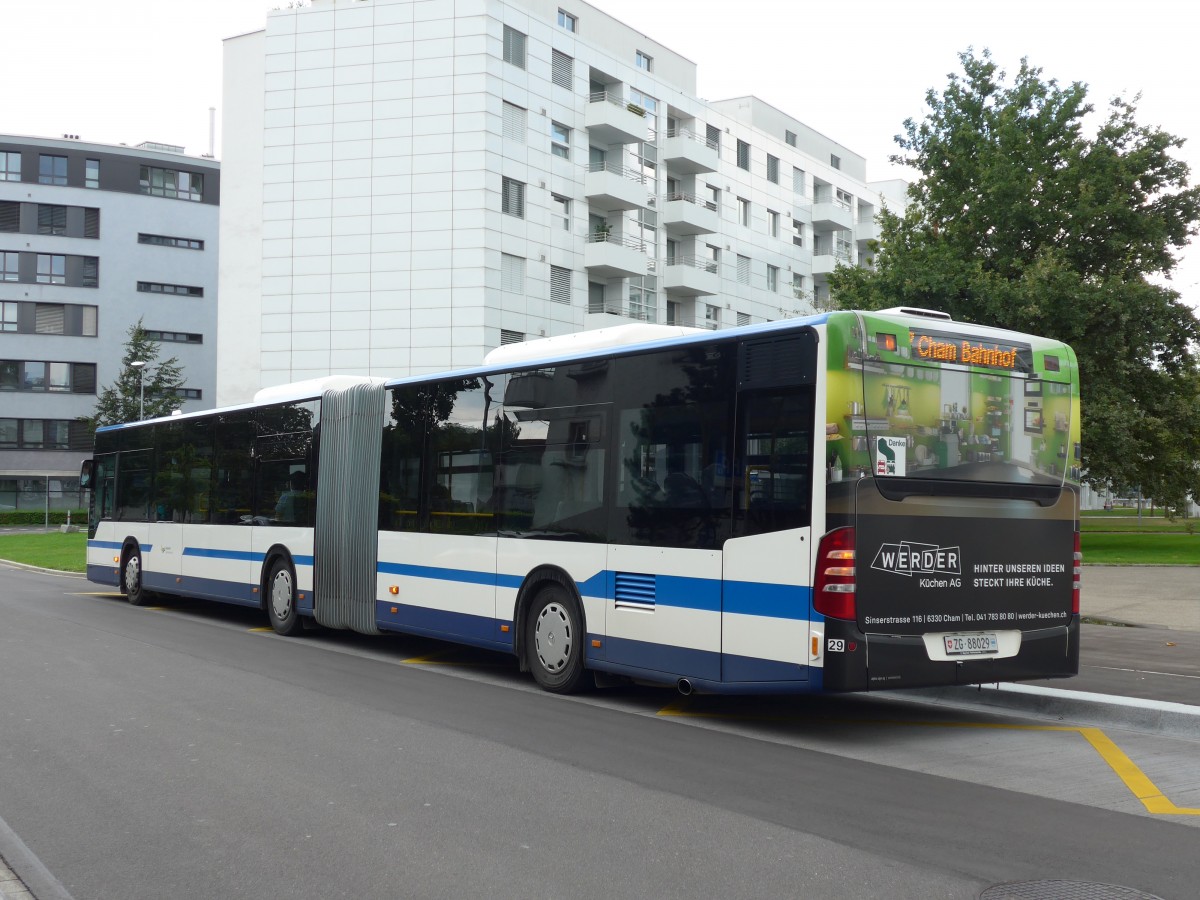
(38, 517)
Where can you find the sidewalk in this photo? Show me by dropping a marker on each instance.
(1166, 596)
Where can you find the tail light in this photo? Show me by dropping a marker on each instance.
(833, 593)
(1075, 578)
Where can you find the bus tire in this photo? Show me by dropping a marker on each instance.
(554, 636)
(131, 578)
(281, 599)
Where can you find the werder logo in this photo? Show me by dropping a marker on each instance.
(907, 558)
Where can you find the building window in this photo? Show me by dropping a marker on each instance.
(714, 197)
(798, 286)
(512, 198)
(25, 317)
(743, 210)
(8, 315)
(91, 222)
(789, 138)
(712, 316)
(91, 173)
(51, 269)
(773, 279)
(743, 319)
(644, 61)
(560, 211)
(844, 199)
(512, 273)
(560, 284)
(560, 140)
(562, 70)
(835, 161)
(174, 337)
(189, 393)
(38, 376)
(772, 169)
(514, 47)
(772, 223)
(91, 272)
(51, 219)
(183, 290)
(743, 269)
(743, 155)
(566, 21)
(510, 337)
(798, 182)
(171, 183)
(52, 169)
(162, 240)
(798, 229)
(712, 137)
(514, 123)
(9, 266)
(10, 216)
(10, 166)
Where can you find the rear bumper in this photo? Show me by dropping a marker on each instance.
(889, 662)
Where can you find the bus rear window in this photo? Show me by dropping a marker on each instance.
(927, 422)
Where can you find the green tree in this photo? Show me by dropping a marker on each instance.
(1020, 219)
(158, 382)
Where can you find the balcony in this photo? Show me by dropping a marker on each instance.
(691, 276)
(689, 214)
(832, 215)
(689, 153)
(825, 260)
(609, 256)
(612, 120)
(608, 315)
(866, 229)
(612, 186)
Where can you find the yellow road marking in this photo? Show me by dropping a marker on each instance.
(433, 659)
(1134, 778)
(262, 628)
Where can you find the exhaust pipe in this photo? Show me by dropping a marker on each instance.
(684, 686)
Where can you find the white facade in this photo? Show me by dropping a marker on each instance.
(414, 182)
(129, 251)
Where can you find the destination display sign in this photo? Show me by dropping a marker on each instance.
(968, 350)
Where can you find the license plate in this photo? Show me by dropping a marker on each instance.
(970, 644)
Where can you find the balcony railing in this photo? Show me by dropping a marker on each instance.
(710, 143)
(617, 168)
(616, 100)
(607, 237)
(691, 198)
(702, 263)
(631, 311)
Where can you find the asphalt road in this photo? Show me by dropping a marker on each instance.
(178, 753)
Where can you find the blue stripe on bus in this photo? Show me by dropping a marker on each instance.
(462, 576)
(103, 575)
(667, 662)
(477, 631)
(104, 545)
(779, 601)
(235, 592)
(237, 555)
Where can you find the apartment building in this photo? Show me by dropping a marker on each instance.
(419, 181)
(94, 237)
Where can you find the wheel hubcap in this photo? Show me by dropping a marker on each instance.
(133, 571)
(281, 595)
(552, 637)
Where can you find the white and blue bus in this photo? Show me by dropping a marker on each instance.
(851, 501)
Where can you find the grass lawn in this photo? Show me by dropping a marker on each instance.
(1141, 549)
(51, 550)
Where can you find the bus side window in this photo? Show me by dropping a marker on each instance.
(774, 484)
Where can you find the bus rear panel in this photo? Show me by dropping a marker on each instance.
(952, 476)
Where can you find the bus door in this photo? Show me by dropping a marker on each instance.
(669, 518)
(766, 632)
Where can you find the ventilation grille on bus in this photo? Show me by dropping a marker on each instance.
(634, 591)
(778, 361)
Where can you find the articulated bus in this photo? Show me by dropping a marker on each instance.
(852, 501)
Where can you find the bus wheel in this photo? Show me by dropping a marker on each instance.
(554, 640)
(281, 599)
(131, 579)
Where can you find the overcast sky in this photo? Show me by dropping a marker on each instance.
(126, 71)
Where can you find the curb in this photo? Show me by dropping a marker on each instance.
(28, 568)
(1130, 713)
